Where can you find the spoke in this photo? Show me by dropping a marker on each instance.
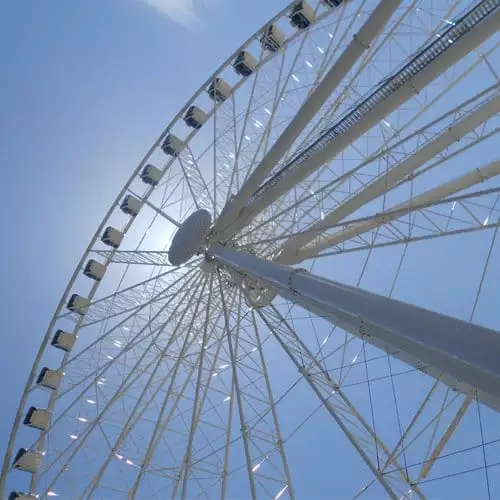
(153, 320)
(386, 182)
(467, 33)
(427, 199)
(279, 438)
(128, 428)
(393, 155)
(159, 211)
(127, 382)
(350, 85)
(233, 358)
(359, 44)
(211, 429)
(131, 423)
(195, 180)
(393, 214)
(161, 422)
(150, 257)
(195, 413)
(404, 436)
(429, 463)
(331, 395)
(133, 298)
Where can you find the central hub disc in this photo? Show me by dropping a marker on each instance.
(189, 237)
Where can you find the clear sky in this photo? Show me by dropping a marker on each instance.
(86, 87)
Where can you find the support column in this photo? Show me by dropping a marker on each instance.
(464, 355)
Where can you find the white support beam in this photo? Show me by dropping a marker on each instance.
(469, 33)
(463, 355)
(388, 181)
(438, 449)
(142, 257)
(162, 419)
(354, 50)
(158, 211)
(294, 253)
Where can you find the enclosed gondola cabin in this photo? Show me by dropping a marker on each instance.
(94, 270)
(151, 175)
(50, 379)
(172, 145)
(195, 117)
(112, 237)
(78, 304)
(28, 460)
(272, 38)
(38, 418)
(302, 15)
(63, 340)
(131, 205)
(219, 90)
(245, 63)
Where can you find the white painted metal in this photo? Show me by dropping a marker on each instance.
(245, 63)
(78, 304)
(394, 214)
(244, 435)
(294, 253)
(189, 237)
(105, 316)
(195, 117)
(94, 270)
(162, 213)
(162, 420)
(38, 418)
(393, 148)
(124, 386)
(151, 175)
(302, 15)
(64, 340)
(465, 352)
(353, 425)
(172, 145)
(360, 43)
(131, 205)
(28, 460)
(456, 50)
(430, 462)
(112, 237)
(51, 379)
(135, 416)
(272, 39)
(219, 90)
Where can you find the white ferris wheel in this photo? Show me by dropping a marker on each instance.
(295, 295)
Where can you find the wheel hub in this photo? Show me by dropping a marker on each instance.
(189, 237)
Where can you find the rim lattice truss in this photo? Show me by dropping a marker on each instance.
(353, 140)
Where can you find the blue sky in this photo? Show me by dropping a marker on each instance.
(87, 85)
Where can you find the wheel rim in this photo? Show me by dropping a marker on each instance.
(218, 430)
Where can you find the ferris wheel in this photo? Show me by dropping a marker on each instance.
(295, 294)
